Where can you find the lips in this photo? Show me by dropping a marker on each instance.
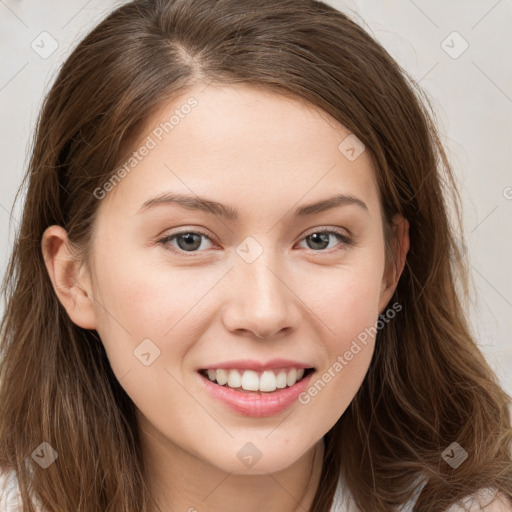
(257, 403)
(257, 366)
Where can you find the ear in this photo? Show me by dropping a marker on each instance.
(71, 284)
(394, 269)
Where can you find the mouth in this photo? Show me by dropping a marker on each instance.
(256, 382)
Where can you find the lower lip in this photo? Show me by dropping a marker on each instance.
(257, 404)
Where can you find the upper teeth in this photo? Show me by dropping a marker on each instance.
(252, 381)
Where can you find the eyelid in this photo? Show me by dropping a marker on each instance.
(162, 240)
(345, 234)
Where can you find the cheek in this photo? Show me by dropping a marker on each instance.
(348, 307)
(345, 298)
(135, 302)
(147, 332)
(350, 313)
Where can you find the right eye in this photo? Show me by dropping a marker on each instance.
(186, 241)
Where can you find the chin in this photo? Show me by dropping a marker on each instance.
(249, 460)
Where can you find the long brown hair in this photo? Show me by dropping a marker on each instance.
(428, 385)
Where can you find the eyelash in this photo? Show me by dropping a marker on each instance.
(346, 240)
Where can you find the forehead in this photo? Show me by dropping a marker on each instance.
(237, 143)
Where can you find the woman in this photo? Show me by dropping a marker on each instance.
(234, 281)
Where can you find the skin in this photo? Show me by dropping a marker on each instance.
(264, 154)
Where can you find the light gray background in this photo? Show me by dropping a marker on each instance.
(472, 95)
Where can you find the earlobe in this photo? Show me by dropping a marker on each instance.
(70, 283)
(395, 268)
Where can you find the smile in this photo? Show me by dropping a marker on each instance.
(250, 380)
(256, 403)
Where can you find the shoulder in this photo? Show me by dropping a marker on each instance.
(10, 495)
(485, 500)
(10, 499)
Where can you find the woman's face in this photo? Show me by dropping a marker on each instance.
(263, 284)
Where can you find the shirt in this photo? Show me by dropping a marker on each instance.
(10, 499)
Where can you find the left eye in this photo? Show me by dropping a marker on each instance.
(321, 237)
(190, 241)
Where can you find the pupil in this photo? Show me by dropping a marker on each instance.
(189, 239)
(316, 238)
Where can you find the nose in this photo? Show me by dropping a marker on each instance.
(261, 301)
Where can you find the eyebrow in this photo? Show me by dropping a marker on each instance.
(231, 213)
